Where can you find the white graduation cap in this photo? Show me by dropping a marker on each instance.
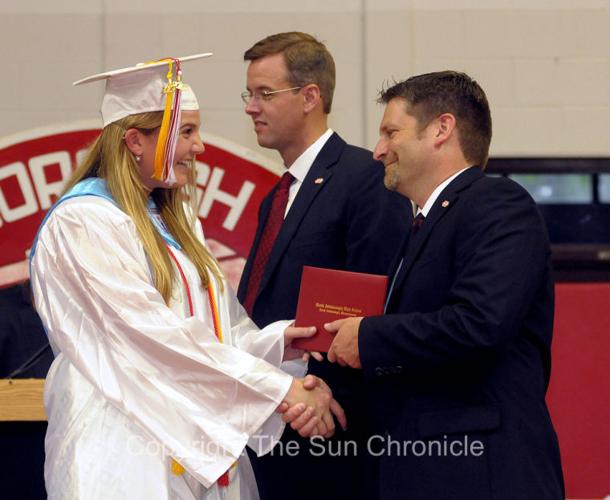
(145, 87)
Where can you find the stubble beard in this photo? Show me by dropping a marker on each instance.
(391, 179)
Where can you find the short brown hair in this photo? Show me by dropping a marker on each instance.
(307, 59)
(433, 94)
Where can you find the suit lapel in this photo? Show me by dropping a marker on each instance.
(311, 187)
(443, 204)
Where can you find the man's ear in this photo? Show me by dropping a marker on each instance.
(445, 127)
(311, 97)
(133, 141)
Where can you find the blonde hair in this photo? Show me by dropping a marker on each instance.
(110, 159)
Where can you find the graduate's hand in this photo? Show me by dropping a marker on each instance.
(296, 332)
(308, 410)
(312, 354)
(344, 349)
(298, 416)
(293, 332)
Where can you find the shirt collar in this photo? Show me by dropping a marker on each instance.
(437, 191)
(303, 163)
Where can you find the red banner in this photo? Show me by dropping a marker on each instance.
(34, 166)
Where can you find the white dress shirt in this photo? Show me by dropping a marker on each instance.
(300, 167)
(436, 193)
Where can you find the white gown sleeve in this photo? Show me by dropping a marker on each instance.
(266, 343)
(201, 399)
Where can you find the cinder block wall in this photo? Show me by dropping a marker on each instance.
(545, 64)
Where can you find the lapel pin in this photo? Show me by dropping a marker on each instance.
(319, 180)
(445, 204)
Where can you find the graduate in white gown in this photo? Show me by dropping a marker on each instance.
(160, 378)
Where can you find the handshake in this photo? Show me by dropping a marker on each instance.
(309, 407)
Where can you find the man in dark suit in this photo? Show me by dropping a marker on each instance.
(458, 367)
(333, 213)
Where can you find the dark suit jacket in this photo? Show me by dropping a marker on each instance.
(464, 351)
(348, 221)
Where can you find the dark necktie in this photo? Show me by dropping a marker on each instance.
(415, 225)
(268, 237)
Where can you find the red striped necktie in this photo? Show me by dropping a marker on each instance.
(272, 228)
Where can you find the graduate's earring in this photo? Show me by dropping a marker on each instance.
(138, 158)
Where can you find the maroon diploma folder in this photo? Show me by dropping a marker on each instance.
(327, 295)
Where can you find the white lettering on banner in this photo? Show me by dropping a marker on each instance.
(213, 193)
(29, 206)
(45, 189)
(42, 191)
(81, 155)
(203, 174)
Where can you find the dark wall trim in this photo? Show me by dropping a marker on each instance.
(534, 165)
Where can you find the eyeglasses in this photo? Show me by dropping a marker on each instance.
(263, 95)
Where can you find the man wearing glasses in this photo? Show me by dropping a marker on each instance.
(330, 209)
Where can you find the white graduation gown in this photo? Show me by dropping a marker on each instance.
(136, 382)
